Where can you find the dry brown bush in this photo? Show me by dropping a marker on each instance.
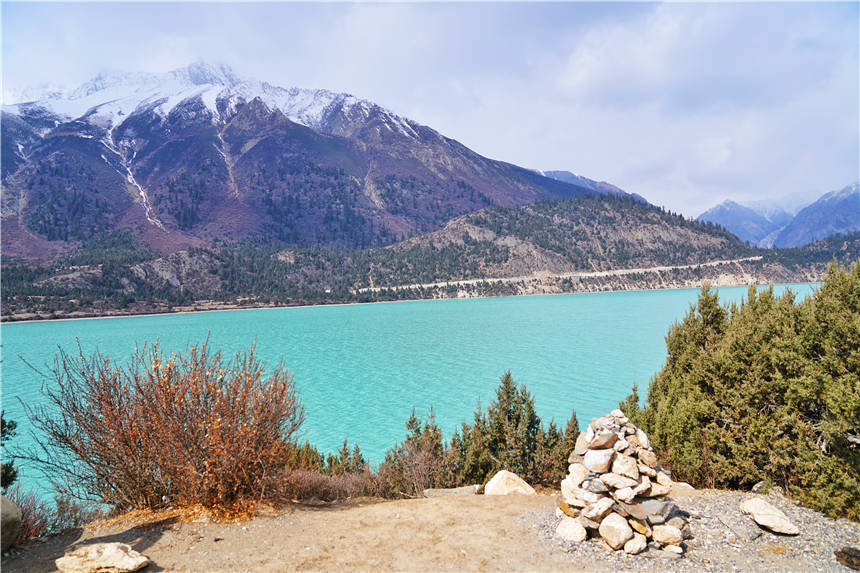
(181, 429)
(306, 484)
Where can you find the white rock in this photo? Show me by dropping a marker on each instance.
(581, 444)
(571, 530)
(597, 510)
(617, 481)
(643, 469)
(624, 494)
(625, 466)
(667, 535)
(677, 549)
(663, 479)
(615, 531)
(559, 512)
(636, 545)
(576, 473)
(616, 413)
(644, 486)
(768, 516)
(598, 460)
(113, 557)
(643, 438)
(657, 490)
(621, 445)
(506, 483)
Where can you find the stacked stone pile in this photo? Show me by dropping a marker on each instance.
(615, 490)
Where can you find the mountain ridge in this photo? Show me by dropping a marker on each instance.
(196, 154)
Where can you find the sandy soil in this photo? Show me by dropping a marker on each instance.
(439, 534)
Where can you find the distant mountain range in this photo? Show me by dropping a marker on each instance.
(198, 154)
(834, 213)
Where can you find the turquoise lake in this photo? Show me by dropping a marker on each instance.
(361, 369)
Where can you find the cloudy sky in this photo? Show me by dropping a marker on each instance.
(685, 104)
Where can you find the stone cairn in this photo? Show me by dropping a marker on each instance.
(615, 490)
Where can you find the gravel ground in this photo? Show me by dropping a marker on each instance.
(721, 539)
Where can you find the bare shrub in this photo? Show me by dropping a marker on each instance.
(39, 518)
(187, 428)
(306, 484)
(36, 515)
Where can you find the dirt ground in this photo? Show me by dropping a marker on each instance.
(457, 533)
(435, 534)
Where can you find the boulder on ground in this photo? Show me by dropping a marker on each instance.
(506, 483)
(102, 558)
(768, 516)
(570, 529)
(615, 531)
(10, 522)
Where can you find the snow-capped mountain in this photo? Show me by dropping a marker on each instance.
(110, 98)
(765, 224)
(834, 213)
(198, 153)
(746, 223)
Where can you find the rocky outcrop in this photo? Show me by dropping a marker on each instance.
(10, 522)
(506, 483)
(616, 490)
(102, 558)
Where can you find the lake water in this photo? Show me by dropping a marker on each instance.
(361, 369)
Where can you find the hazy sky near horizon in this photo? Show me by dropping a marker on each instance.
(685, 104)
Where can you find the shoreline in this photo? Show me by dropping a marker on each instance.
(234, 307)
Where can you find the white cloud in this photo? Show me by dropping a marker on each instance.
(686, 104)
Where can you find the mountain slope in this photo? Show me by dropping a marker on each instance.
(748, 224)
(197, 154)
(837, 212)
(597, 186)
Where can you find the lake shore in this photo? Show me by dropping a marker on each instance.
(219, 306)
